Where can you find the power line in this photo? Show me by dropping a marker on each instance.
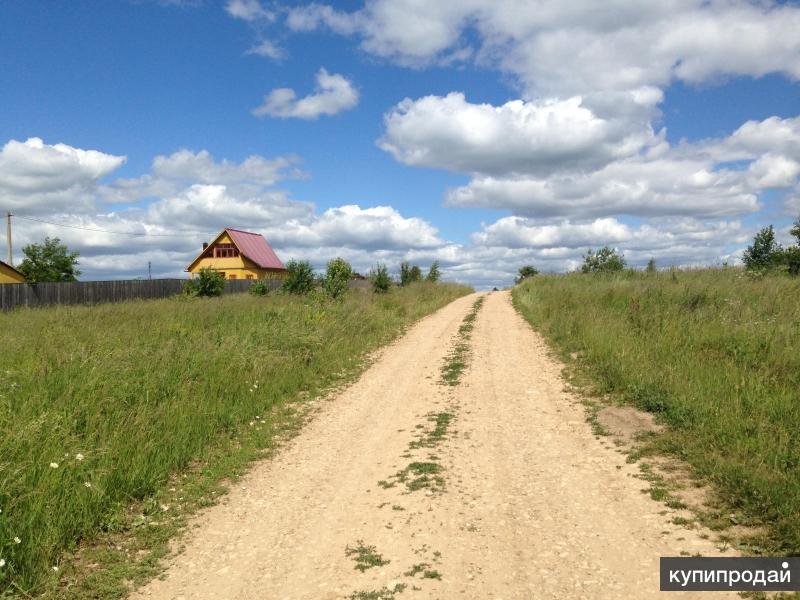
(185, 234)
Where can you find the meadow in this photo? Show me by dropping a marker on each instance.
(714, 354)
(107, 411)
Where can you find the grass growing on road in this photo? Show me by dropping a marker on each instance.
(714, 353)
(116, 419)
(457, 360)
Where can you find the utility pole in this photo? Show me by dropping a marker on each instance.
(8, 237)
(149, 270)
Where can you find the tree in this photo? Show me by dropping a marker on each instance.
(49, 261)
(207, 283)
(379, 277)
(765, 252)
(792, 253)
(651, 266)
(337, 277)
(409, 273)
(605, 260)
(525, 272)
(300, 277)
(433, 273)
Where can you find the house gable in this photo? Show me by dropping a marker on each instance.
(9, 274)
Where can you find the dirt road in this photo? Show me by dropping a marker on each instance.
(493, 488)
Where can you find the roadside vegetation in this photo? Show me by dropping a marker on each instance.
(118, 420)
(714, 354)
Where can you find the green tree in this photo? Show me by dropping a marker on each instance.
(49, 261)
(300, 277)
(380, 279)
(337, 277)
(764, 252)
(433, 273)
(651, 266)
(792, 253)
(525, 272)
(605, 260)
(409, 273)
(207, 283)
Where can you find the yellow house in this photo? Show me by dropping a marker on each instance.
(9, 274)
(239, 255)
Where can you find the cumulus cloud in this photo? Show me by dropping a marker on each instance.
(248, 10)
(569, 48)
(37, 177)
(268, 49)
(517, 137)
(334, 93)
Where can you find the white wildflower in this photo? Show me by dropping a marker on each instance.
(79, 456)
(55, 568)
(88, 484)
(17, 540)
(2, 562)
(53, 465)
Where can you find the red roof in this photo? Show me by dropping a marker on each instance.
(256, 248)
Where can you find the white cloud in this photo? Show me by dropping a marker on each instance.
(37, 177)
(248, 10)
(334, 93)
(514, 138)
(268, 49)
(571, 48)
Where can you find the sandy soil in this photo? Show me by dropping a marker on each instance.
(529, 505)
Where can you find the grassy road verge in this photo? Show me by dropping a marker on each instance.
(715, 354)
(119, 420)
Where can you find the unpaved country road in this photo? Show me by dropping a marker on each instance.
(530, 504)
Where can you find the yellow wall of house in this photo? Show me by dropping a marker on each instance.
(9, 276)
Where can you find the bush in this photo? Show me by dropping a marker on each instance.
(260, 287)
(337, 276)
(433, 273)
(207, 283)
(300, 277)
(605, 260)
(525, 272)
(379, 278)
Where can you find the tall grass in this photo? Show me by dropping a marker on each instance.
(714, 353)
(101, 405)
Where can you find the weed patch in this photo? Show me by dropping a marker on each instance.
(365, 557)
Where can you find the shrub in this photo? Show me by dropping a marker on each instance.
(379, 277)
(605, 260)
(433, 273)
(525, 272)
(300, 277)
(208, 282)
(337, 276)
(260, 287)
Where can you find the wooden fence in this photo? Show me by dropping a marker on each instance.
(13, 295)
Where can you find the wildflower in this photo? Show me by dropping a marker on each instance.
(79, 456)
(55, 568)
(17, 540)
(255, 385)
(2, 562)
(88, 484)
(53, 465)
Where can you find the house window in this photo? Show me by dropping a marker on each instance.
(225, 251)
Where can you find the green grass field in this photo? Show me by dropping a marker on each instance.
(105, 407)
(714, 353)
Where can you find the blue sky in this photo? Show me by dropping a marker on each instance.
(528, 135)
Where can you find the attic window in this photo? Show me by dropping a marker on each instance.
(225, 251)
